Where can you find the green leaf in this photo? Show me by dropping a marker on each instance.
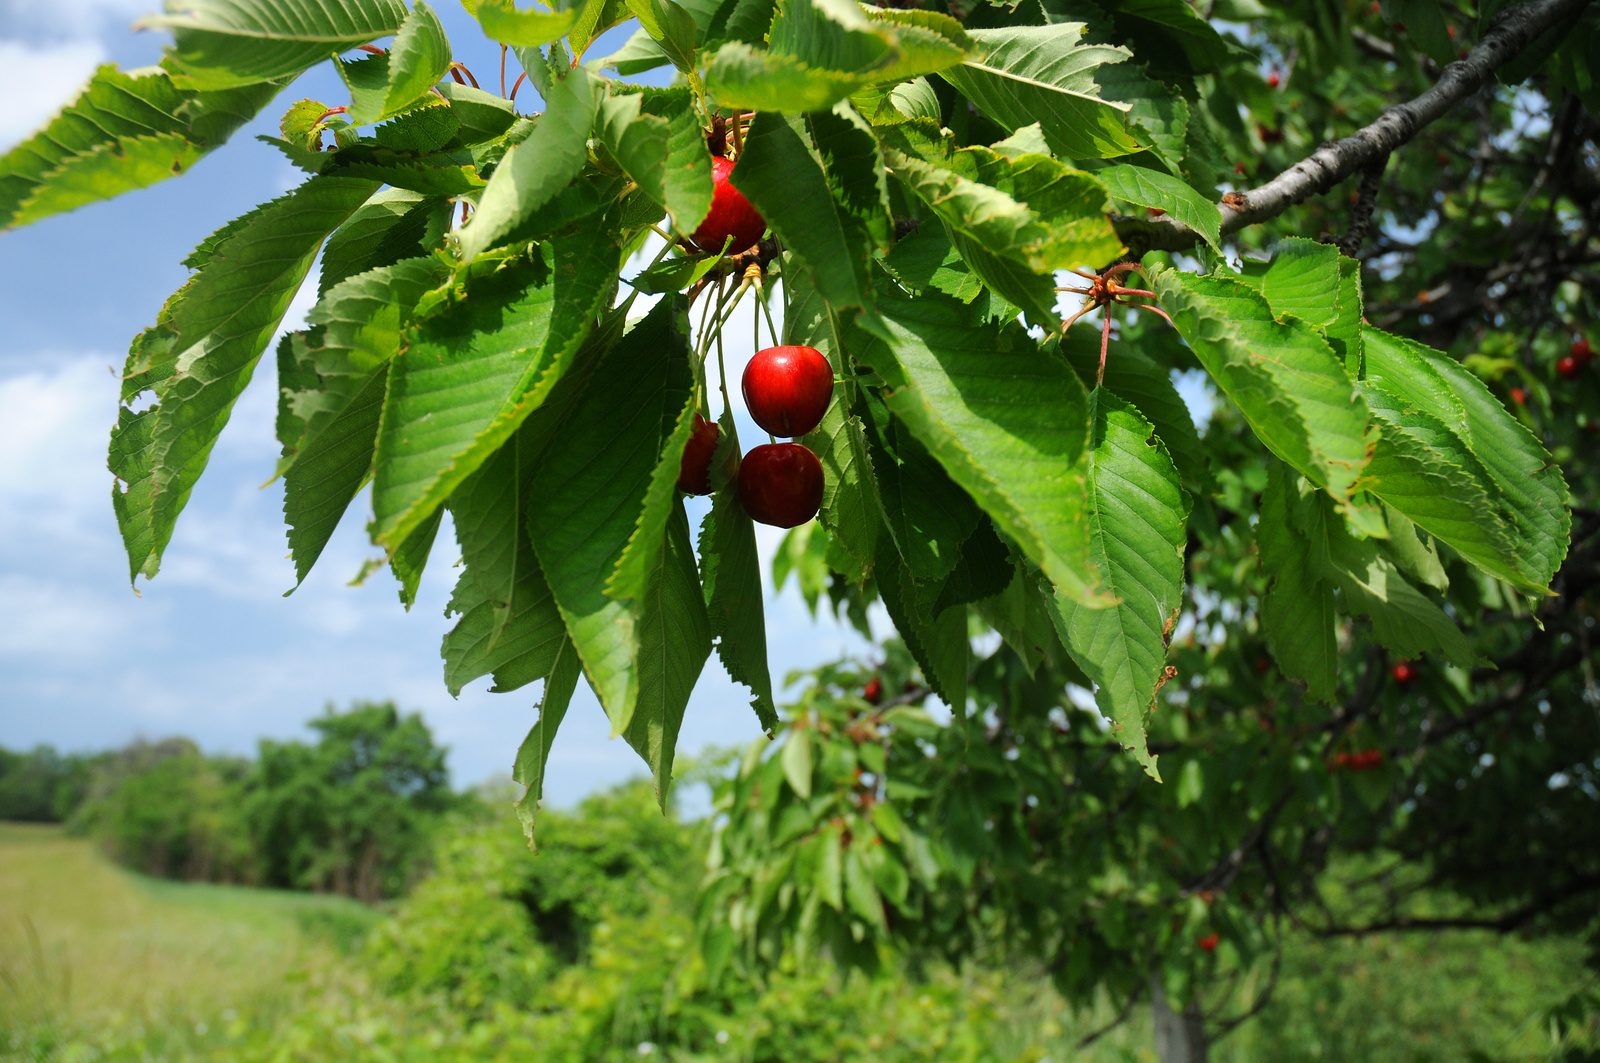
(634, 567)
(533, 172)
(673, 274)
(983, 569)
(741, 76)
(329, 468)
(534, 753)
(1303, 280)
(674, 642)
(501, 20)
(394, 224)
(1020, 616)
(123, 132)
(657, 139)
(1015, 219)
(1517, 473)
(927, 515)
(509, 624)
(419, 57)
(1173, 33)
(670, 26)
(411, 557)
(1284, 377)
(926, 42)
(1150, 188)
(591, 488)
(448, 173)
(779, 175)
(594, 18)
(1045, 74)
(474, 371)
(849, 493)
(731, 571)
(927, 259)
(1156, 114)
(938, 641)
(483, 115)
(1403, 619)
(830, 35)
(1297, 614)
(202, 352)
(227, 43)
(796, 757)
(1133, 377)
(1137, 520)
(1009, 424)
(854, 165)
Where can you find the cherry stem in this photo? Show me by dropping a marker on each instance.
(1105, 344)
(373, 48)
(738, 136)
(329, 113)
(502, 71)
(1083, 310)
(513, 97)
(463, 68)
(776, 340)
(457, 74)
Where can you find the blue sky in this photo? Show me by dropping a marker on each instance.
(211, 648)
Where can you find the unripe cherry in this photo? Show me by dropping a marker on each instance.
(731, 215)
(694, 472)
(781, 484)
(787, 389)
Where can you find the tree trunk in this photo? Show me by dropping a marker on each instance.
(1180, 1038)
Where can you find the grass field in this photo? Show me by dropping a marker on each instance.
(85, 942)
(97, 963)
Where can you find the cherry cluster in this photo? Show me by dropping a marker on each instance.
(1360, 760)
(786, 388)
(1579, 355)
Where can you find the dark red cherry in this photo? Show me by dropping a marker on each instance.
(731, 215)
(781, 484)
(694, 472)
(787, 389)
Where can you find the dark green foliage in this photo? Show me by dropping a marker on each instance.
(42, 785)
(352, 814)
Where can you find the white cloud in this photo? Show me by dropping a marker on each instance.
(37, 81)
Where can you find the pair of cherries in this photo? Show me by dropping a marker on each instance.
(787, 390)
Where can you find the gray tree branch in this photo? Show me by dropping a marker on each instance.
(1332, 163)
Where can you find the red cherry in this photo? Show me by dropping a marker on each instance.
(731, 215)
(1368, 759)
(781, 484)
(1519, 396)
(694, 472)
(872, 693)
(788, 389)
(1209, 942)
(1262, 664)
(1273, 80)
(1569, 368)
(1582, 350)
(1154, 212)
(1403, 673)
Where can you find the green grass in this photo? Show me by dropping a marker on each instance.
(83, 942)
(97, 963)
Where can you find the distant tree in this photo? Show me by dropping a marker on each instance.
(351, 814)
(42, 785)
(168, 810)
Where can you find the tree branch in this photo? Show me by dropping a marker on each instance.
(1332, 163)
